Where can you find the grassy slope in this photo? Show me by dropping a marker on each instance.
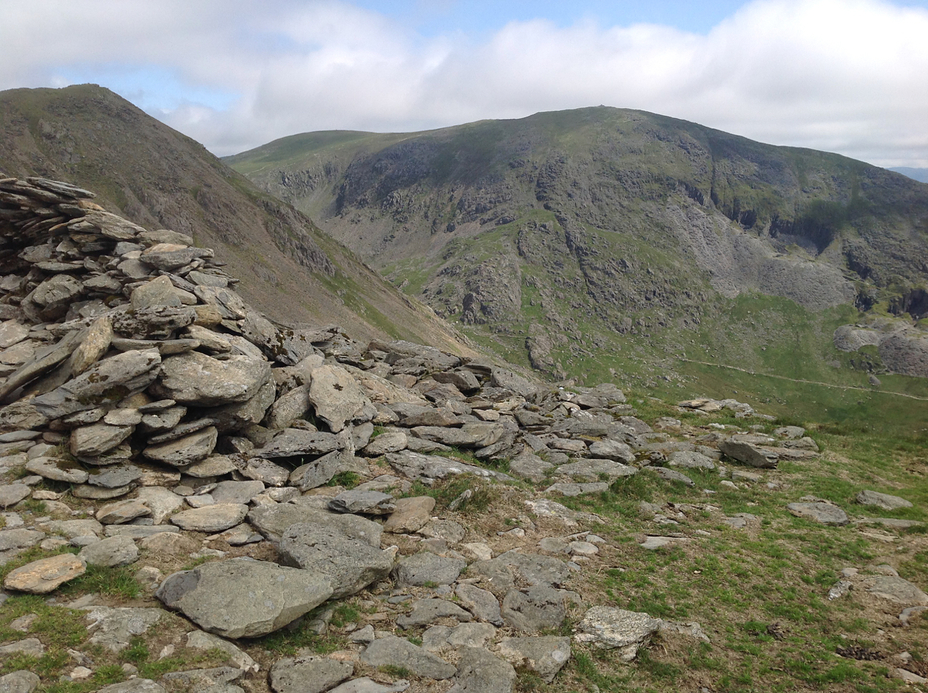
(159, 178)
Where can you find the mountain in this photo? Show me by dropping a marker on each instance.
(589, 241)
(158, 178)
(919, 174)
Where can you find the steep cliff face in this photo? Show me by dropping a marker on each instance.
(582, 225)
(159, 178)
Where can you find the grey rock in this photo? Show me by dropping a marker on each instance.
(426, 567)
(240, 492)
(612, 450)
(536, 608)
(211, 518)
(199, 640)
(200, 380)
(243, 598)
(265, 471)
(513, 382)
(671, 475)
(11, 494)
(610, 628)
(884, 501)
(448, 530)
(390, 441)
(121, 512)
(138, 531)
(366, 502)
(214, 680)
(336, 396)
(321, 470)
(57, 470)
(115, 477)
(411, 415)
(19, 538)
(410, 514)
(107, 381)
(480, 603)
(73, 528)
(481, 672)
(572, 490)
(32, 647)
(749, 454)
(470, 435)
(288, 408)
(238, 415)
(110, 552)
(690, 460)
(186, 450)
(463, 635)
(211, 466)
(504, 571)
(367, 685)
(527, 465)
(896, 589)
(431, 468)
(293, 442)
(596, 470)
(114, 627)
(426, 611)
(398, 652)
(818, 511)
(545, 655)
(133, 686)
(309, 674)
(342, 551)
(21, 681)
(161, 501)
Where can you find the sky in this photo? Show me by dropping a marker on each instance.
(845, 76)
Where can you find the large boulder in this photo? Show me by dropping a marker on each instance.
(197, 379)
(243, 598)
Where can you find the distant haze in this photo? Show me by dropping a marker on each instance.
(846, 76)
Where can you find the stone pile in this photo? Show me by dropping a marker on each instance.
(133, 374)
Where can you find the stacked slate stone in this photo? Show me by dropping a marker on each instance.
(132, 372)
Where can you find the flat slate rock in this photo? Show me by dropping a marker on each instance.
(243, 598)
(11, 494)
(481, 603)
(292, 442)
(339, 551)
(410, 514)
(896, 589)
(545, 655)
(479, 671)
(368, 685)
(512, 567)
(200, 380)
(577, 489)
(110, 552)
(884, 501)
(21, 681)
(426, 567)
(528, 465)
(115, 627)
(536, 608)
(818, 511)
(596, 470)
(431, 468)
(45, 575)
(309, 674)
(211, 518)
(399, 652)
(749, 454)
(336, 396)
(364, 502)
(426, 611)
(134, 686)
(607, 627)
(57, 470)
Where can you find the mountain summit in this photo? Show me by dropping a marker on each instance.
(596, 238)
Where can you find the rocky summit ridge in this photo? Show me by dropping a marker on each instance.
(256, 477)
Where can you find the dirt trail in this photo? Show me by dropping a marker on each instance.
(808, 382)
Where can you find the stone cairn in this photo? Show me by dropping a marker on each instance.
(133, 373)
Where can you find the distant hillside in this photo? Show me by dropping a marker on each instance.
(919, 174)
(157, 177)
(596, 239)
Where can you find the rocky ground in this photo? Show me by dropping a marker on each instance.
(198, 499)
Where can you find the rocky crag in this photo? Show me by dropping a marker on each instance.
(152, 418)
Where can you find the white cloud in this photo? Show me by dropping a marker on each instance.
(840, 75)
